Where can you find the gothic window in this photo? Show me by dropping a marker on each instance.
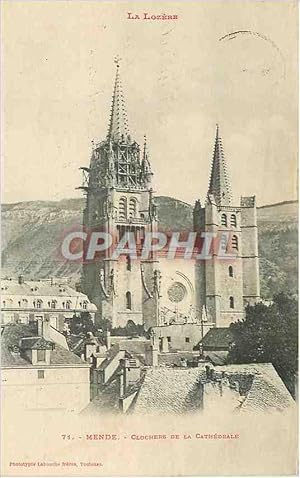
(122, 208)
(132, 207)
(233, 220)
(128, 263)
(84, 305)
(53, 304)
(231, 302)
(224, 220)
(235, 242)
(39, 304)
(128, 300)
(230, 271)
(224, 242)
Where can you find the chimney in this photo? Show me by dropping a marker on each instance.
(108, 340)
(21, 279)
(89, 350)
(121, 384)
(164, 344)
(44, 329)
(210, 372)
(183, 362)
(154, 356)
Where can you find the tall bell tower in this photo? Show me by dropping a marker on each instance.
(228, 279)
(119, 200)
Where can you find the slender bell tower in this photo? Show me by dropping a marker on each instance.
(225, 285)
(119, 200)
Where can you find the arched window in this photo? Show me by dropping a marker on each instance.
(122, 208)
(224, 220)
(39, 304)
(128, 263)
(132, 207)
(24, 303)
(68, 304)
(235, 242)
(84, 305)
(233, 220)
(231, 302)
(128, 300)
(53, 304)
(230, 271)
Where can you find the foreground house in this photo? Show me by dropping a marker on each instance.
(38, 373)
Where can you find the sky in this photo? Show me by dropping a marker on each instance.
(179, 78)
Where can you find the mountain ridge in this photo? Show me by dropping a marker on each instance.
(32, 231)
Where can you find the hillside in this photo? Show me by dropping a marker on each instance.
(32, 232)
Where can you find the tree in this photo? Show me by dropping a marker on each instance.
(269, 334)
(130, 330)
(81, 324)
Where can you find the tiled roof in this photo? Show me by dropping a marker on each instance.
(37, 343)
(10, 338)
(166, 390)
(174, 358)
(132, 345)
(178, 390)
(219, 337)
(106, 402)
(77, 343)
(110, 355)
(267, 391)
(38, 288)
(216, 358)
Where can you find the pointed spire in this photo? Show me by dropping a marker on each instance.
(118, 124)
(219, 184)
(145, 151)
(146, 168)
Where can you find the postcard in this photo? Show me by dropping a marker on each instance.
(149, 295)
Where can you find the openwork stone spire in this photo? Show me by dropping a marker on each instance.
(118, 125)
(219, 184)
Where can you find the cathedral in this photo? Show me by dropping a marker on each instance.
(158, 291)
